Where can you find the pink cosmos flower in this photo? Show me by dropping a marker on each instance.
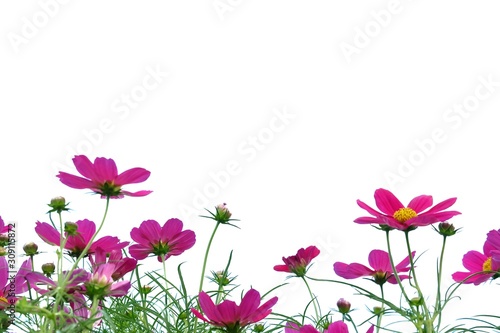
(481, 266)
(43, 284)
(122, 265)
(166, 241)
(102, 177)
(298, 263)
(231, 316)
(395, 215)
(75, 244)
(3, 228)
(381, 270)
(335, 327)
(101, 283)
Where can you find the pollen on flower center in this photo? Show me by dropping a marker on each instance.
(404, 214)
(487, 265)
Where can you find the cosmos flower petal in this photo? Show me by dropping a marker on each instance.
(420, 203)
(387, 202)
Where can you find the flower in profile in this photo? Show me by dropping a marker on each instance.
(381, 270)
(102, 177)
(481, 266)
(166, 241)
(78, 240)
(298, 264)
(335, 327)
(122, 265)
(397, 216)
(232, 317)
(43, 284)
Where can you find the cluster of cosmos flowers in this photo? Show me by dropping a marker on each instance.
(105, 276)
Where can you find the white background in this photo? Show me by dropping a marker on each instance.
(368, 93)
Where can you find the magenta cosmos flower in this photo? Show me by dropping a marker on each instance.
(102, 177)
(122, 265)
(381, 270)
(298, 263)
(75, 244)
(481, 266)
(395, 215)
(232, 317)
(3, 228)
(335, 327)
(166, 241)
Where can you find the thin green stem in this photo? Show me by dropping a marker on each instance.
(206, 257)
(313, 299)
(166, 294)
(428, 321)
(438, 306)
(381, 313)
(394, 271)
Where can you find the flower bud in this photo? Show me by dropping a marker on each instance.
(58, 204)
(258, 328)
(183, 315)
(377, 310)
(3, 251)
(4, 239)
(146, 289)
(70, 228)
(446, 229)
(221, 278)
(416, 301)
(48, 269)
(222, 214)
(343, 306)
(30, 249)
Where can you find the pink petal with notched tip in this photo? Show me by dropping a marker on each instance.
(387, 202)
(420, 203)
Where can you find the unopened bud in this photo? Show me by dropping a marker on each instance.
(446, 229)
(416, 301)
(258, 328)
(30, 249)
(48, 269)
(70, 228)
(221, 278)
(343, 306)
(4, 239)
(3, 251)
(146, 289)
(222, 214)
(377, 310)
(58, 204)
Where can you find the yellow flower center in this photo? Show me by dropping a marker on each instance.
(487, 265)
(4, 300)
(404, 214)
